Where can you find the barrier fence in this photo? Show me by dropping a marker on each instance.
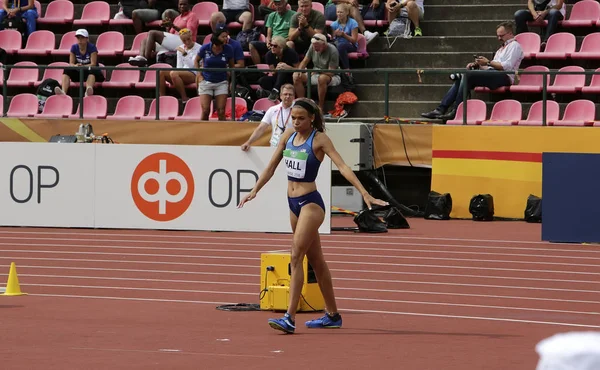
(387, 73)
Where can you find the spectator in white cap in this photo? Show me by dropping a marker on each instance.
(82, 54)
(324, 56)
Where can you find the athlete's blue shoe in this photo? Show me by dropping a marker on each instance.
(327, 322)
(285, 324)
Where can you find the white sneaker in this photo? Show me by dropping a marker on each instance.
(58, 91)
(138, 61)
(89, 91)
(370, 36)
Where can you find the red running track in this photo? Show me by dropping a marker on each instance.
(442, 295)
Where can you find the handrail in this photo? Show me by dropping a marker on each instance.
(386, 72)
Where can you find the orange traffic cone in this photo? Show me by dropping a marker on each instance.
(12, 286)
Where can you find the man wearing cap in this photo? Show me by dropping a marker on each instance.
(20, 8)
(324, 56)
(304, 24)
(278, 24)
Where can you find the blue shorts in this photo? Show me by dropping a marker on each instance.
(297, 203)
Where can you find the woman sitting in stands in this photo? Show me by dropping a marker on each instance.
(345, 34)
(215, 54)
(186, 54)
(83, 54)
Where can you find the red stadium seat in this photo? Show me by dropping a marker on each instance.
(263, 104)
(361, 50)
(584, 13)
(67, 40)
(476, 113)
(123, 78)
(531, 83)
(594, 86)
(235, 25)
(204, 11)
(10, 41)
(530, 43)
(23, 77)
(95, 13)
(168, 109)
(128, 108)
(57, 12)
(192, 110)
(135, 46)
(57, 106)
(23, 105)
(569, 83)
(505, 112)
(149, 81)
(110, 44)
(559, 46)
(534, 118)
(590, 47)
(578, 113)
(39, 43)
(94, 107)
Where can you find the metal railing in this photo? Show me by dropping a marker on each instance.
(385, 72)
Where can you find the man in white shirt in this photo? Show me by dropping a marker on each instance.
(539, 10)
(278, 118)
(508, 58)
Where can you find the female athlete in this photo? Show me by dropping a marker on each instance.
(303, 147)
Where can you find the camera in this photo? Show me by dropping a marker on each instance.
(455, 76)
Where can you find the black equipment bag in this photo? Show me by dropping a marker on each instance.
(439, 206)
(367, 222)
(46, 88)
(482, 207)
(533, 209)
(394, 219)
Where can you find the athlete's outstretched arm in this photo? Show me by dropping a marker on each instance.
(329, 149)
(268, 172)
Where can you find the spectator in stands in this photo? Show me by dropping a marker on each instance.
(213, 84)
(148, 11)
(324, 56)
(344, 33)
(186, 54)
(277, 24)
(163, 42)
(238, 11)
(507, 58)
(266, 7)
(304, 24)
(83, 54)
(280, 58)
(538, 11)
(372, 9)
(415, 9)
(277, 118)
(25, 9)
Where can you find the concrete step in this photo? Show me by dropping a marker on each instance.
(460, 27)
(402, 92)
(424, 59)
(434, 44)
(500, 12)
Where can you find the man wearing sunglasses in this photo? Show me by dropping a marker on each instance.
(277, 24)
(508, 58)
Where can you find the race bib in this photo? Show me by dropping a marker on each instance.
(275, 138)
(295, 163)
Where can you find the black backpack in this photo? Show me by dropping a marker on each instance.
(44, 91)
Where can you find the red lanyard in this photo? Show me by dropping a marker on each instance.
(280, 114)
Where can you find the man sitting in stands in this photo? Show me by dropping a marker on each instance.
(277, 24)
(19, 8)
(507, 58)
(238, 11)
(304, 24)
(164, 42)
(324, 56)
(538, 11)
(281, 58)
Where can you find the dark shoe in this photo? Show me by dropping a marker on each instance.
(434, 114)
(450, 115)
(274, 95)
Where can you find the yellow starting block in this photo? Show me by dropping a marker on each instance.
(275, 280)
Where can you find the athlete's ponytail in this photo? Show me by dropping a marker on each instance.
(312, 108)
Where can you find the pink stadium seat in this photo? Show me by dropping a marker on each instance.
(150, 76)
(476, 113)
(53, 73)
(203, 11)
(57, 12)
(39, 43)
(584, 13)
(361, 52)
(94, 106)
(318, 7)
(378, 22)
(168, 109)
(590, 47)
(530, 43)
(559, 46)
(534, 118)
(57, 106)
(95, 13)
(263, 104)
(206, 39)
(192, 110)
(236, 25)
(38, 7)
(128, 108)
(10, 41)
(110, 43)
(261, 38)
(238, 101)
(577, 113)
(531, 83)
(135, 46)
(67, 40)
(505, 112)
(23, 105)
(123, 78)
(594, 86)
(569, 83)
(23, 77)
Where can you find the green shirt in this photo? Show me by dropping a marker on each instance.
(280, 24)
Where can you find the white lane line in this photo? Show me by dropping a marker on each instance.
(179, 352)
(327, 254)
(342, 310)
